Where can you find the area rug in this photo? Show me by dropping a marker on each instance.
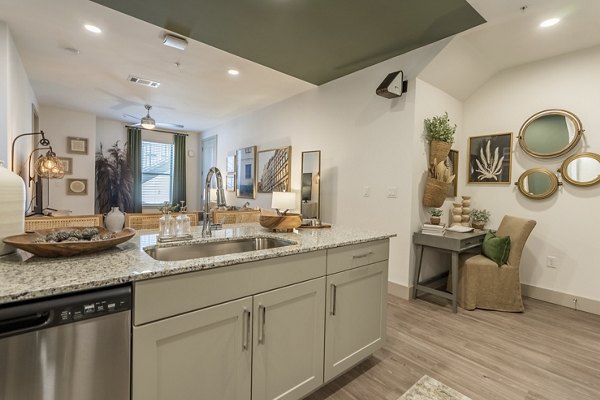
(428, 388)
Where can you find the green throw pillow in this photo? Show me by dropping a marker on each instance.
(496, 248)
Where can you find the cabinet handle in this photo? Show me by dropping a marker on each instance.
(363, 255)
(332, 301)
(246, 331)
(261, 324)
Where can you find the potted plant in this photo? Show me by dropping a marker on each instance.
(440, 135)
(437, 185)
(114, 186)
(479, 218)
(435, 213)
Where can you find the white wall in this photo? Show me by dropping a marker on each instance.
(430, 102)
(567, 221)
(366, 140)
(16, 102)
(58, 124)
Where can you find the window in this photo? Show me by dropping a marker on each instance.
(157, 172)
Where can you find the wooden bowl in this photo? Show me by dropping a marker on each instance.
(26, 241)
(286, 222)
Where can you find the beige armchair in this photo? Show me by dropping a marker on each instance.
(482, 284)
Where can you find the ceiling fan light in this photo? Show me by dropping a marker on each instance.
(148, 123)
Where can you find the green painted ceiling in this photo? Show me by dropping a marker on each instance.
(313, 40)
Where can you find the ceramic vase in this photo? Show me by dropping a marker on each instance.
(435, 220)
(114, 220)
(466, 210)
(12, 211)
(456, 213)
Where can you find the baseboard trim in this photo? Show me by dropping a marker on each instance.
(562, 299)
(398, 290)
(551, 296)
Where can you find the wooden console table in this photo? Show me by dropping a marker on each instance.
(235, 217)
(453, 243)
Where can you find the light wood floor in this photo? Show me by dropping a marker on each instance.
(548, 352)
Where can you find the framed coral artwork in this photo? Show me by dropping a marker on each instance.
(490, 158)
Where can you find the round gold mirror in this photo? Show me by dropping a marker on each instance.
(550, 133)
(582, 169)
(537, 183)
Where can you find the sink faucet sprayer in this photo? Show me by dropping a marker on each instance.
(206, 225)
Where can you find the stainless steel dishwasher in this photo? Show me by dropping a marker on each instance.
(74, 347)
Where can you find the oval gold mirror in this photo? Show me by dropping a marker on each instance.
(550, 133)
(537, 183)
(582, 169)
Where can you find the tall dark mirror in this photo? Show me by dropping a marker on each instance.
(310, 190)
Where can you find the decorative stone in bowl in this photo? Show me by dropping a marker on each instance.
(68, 241)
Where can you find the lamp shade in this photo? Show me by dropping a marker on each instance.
(284, 200)
(49, 166)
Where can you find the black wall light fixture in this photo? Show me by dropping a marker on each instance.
(392, 86)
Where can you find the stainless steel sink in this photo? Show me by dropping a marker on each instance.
(210, 249)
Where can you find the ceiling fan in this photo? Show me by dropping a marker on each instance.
(148, 122)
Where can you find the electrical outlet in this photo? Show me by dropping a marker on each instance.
(366, 191)
(392, 192)
(551, 262)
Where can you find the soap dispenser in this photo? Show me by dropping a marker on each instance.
(183, 222)
(165, 223)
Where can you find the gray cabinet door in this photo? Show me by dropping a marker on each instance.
(205, 354)
(288, 341)
(355, 316)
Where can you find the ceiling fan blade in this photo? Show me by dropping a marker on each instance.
(132, 116)
(169, 125)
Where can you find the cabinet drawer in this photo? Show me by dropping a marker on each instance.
(167, 296)
(348, 257)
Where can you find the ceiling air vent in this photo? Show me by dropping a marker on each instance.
(142, 81)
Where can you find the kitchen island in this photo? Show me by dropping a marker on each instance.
(263, 324)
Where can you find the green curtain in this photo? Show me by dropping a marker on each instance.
(134, 157)
(179, 169)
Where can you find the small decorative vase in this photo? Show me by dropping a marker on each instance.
(435, 220)
(478, 224)
(114, 220)
(456, 213)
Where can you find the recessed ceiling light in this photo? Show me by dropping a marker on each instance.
(92, 28)
(550, 22)
(233, 72)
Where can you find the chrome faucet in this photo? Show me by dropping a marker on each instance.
(206, 224)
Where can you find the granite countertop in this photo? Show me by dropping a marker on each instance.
(24, 276)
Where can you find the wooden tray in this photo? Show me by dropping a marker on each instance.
(25, 242)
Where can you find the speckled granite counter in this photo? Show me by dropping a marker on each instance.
(23, 276)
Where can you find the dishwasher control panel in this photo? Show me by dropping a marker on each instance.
(92, 309)
(19, 318)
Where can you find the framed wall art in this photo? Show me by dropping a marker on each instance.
(273, 170)
(77, 187)
(490, 158)
(452, 165)
(246, 172)
(76, 145)
(67, 163)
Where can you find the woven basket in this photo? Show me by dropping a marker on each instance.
(438, 151)
(435, 192)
